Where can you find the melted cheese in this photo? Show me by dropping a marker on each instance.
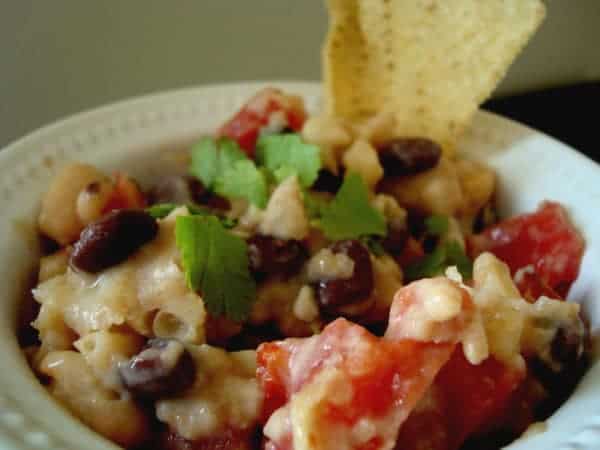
(130, 293)
(504, 324)
(426, 315)
(224, 396)
(285, 217)
(305, 307)
(305, 417)
(326, 265)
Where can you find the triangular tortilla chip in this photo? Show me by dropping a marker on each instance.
(430, 62)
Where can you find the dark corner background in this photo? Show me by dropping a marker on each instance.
(568, 113)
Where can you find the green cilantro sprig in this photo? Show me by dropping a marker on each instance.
(225, 169)
(286, 154)
(374, 244)
(211, 158)
(350, 215)
(162, 210)
(243, 180)
(446, 254)
(437, 225)
(216, 265)
(314, 204)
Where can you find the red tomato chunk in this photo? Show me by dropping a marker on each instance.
(545, 240)
(465, 400)
(126, 194)
(381, 379)
(266, 107)
(477, 394)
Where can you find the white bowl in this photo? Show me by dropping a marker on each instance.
(129, 135)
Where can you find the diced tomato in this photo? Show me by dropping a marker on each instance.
(387, 375)
(465, 400)
(524, 408)
(391, 376)
(545, 240)
(477, 395)
(426, 428)
(244, 127)
(126, 194)
(282, 372)
(272, 369)
(532, 287)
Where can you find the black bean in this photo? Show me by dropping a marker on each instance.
(214, 201)
(417, 228)
(344, 292)
(163, 368)
(327, 182)
(408, 156)
(111, 239)
(271, 256)
(559, 376)
(567, 346)
(566, 352)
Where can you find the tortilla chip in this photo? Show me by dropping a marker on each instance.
(430, 62)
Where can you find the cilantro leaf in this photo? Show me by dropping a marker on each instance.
(284, 172)
(430, 266)
(228, 222)
(230, 154)
(225, 169)
(446, 254)
(216, 265)
(437, 225)
(314, 204)
(205, 161)
(210, 159)
(457, 257)
(243, 180)
(350, 215)
(277, 151)
(162, 210)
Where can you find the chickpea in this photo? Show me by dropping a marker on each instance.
(58, 217)
(434, 191)
(92, 199)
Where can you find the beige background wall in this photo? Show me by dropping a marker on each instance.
(58, 57)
